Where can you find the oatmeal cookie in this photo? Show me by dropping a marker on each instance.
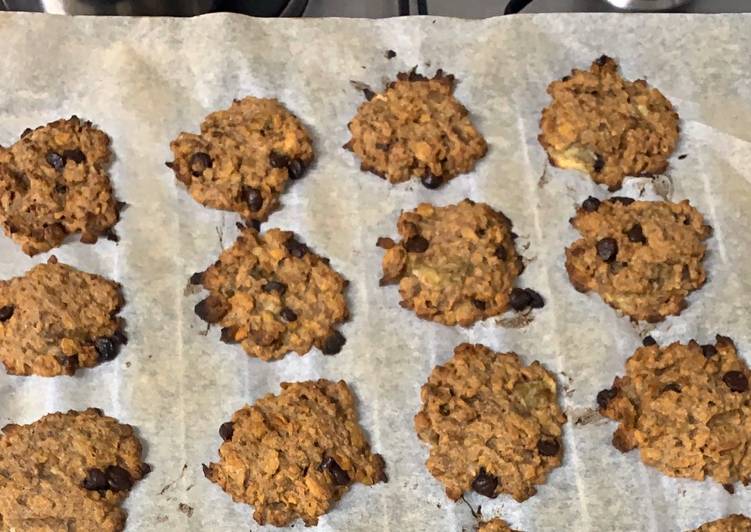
(606, 126)
(493, 424)
(295, 454)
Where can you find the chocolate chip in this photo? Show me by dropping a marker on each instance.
(599, 163)
(728, 487)
(519, 299)
(431, 181)
(211, 309)
(119, 337)
(70, 363)
(295, 248)
(648, 340)
(199, 162)
(275, 286)
(340, 476)
(604, 396)
(95, 480)
(501, 253)
(623, 200)
(548, 447)
(636, 235)
(55, 160)
(253, 198)
(77, 156)
(736, 381)
(390, 54)
(295, 169)
(602, 60)
(278, 160)
(385, 242)
(672, 387)
(61, 189)
(535, 299)
(288, 314)
(369, 94)
(485, 483)
(118, 478)
(683, 156)
(416, 244)
(106, 347)
(333, 343)
(196, 278)
(26, 132)
(479, 304)
(708, 350)
(226, 430)
(607, 249)
(227, 335)
(591, 204)
(206, 471)
(6, 312)
(565, 78)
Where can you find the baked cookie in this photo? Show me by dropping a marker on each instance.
(54, 182)
(294, 454)
(456, 264)
(606, 126)
(687, 407)
(271, 294)
(68, 471)
(731, 523)
(495, 525)
(493, 425)
(416, 127)
(55, 319)
(642, 257)
(243, 157)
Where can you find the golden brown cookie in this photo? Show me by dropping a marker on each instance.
(456, 264)
(272, 294)
(606, 126)
(416, 127)
(243, 157)
(642, 257)
(731, 523)
(294, 454)
(493, 424)
(67, 472)
(687, 407)
(54, 182)
(55, 319)
(495, 525)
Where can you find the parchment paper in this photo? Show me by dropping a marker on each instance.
(145, 80)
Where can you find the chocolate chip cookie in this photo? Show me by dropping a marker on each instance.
(68, 471)
(455, 264)
(271, 294)
(606, 126)
(243, 157)
(416, 127)
(687, 408)
(731, 523)
(55, 319)
(294, 454)
(54, 182)
(642, 257)
(493, 424)
(495, 525)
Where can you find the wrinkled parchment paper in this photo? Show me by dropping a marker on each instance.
(145, 80)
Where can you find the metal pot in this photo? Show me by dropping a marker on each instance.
(178, 8)
(647, 5)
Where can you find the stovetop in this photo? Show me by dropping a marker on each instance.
(351, 8)
(489, 8)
